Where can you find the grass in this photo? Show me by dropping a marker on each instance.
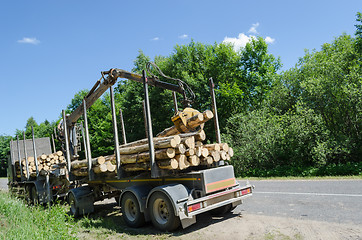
(304, 178)
(20, 221)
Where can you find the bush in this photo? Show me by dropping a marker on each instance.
(267, 144)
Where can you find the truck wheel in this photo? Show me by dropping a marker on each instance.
(34, 196)
(131, 211)
(221, 210)
(73, 205)
(162, 213)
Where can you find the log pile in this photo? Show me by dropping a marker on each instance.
(46, 163)
(173, 151)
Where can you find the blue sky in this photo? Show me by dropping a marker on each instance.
(52, 49)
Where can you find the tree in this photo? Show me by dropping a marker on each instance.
(4, 153)
(359, 33)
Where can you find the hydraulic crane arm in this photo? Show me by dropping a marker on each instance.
(110, 78)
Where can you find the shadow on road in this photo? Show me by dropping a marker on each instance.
(109, 216)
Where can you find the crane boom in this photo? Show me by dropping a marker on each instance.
(110, 78)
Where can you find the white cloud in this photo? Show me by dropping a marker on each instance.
(184, 36)
(29, 41)
(155, 39)
(269, 40)
(240, 41)
(253, 28)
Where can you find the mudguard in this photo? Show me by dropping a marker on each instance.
(179, 195)
(84, 199)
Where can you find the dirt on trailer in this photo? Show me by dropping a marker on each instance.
(107, 223)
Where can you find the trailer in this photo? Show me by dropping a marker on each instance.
(150, 192)
(42, 187)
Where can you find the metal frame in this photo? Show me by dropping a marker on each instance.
(115, 134)
(26, 159)
(122, 126)
(66, 140)
(35, 155)
(19, 156)
(155, 170)
(214, 108)
(174, 101)
(88, 147)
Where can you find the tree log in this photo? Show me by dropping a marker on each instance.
(180, 149)
(189, 142)
(194, 160)
(223, 155)
(169, 164)
(191, 123)
(206, 160)
(231, 152)
(155, 139)
(190, 152)
(166, 153)
(215, 155)
(224, 147)
(166, 143)
(102, 168)
(211, 147)
(182, 161)
(84, 163)
(80, 172)
(199, 135)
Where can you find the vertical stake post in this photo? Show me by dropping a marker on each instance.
(175, 101)
(155, 171)
(122, 126)
(214, 108)
(84, 143)
(65, 129)
(115, 134)
(35, 155)
(53, 143)
(88, 149)
(145, 117)
(19, 156)
(26, 158)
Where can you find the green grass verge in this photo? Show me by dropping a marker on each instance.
(20, 221)
(304, 178)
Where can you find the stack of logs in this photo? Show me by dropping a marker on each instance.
(46, 163)
(173, 151)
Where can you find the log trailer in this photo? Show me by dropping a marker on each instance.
(168, 198)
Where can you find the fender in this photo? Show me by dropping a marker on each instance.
(40, 187)
(84, 199)
(177, 193)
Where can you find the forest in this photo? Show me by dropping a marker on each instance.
(304, 121)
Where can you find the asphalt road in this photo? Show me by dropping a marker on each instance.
(3, 184)
(338, 201)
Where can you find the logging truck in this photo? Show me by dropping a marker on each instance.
(167, 179)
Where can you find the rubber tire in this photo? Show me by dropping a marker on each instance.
(220, 211)
(131, 211)
(171, 221)
(34, 196)
(74, 210)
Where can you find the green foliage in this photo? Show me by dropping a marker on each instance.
(359, 33)
(263, 140)
(4, 152)
(310, 123)
(18, 221)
